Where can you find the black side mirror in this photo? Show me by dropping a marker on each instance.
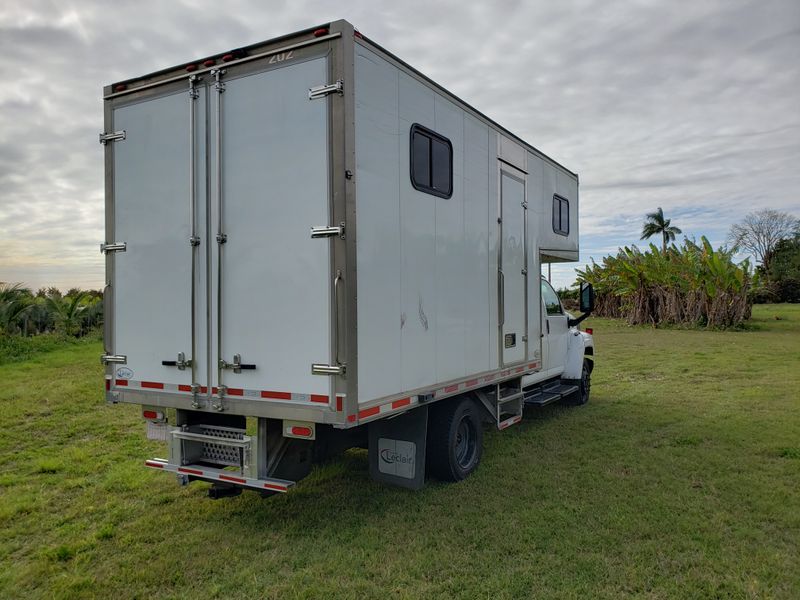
(586, 298)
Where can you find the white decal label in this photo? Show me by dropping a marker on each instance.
(397, 457)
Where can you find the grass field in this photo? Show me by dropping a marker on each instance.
(680, 478)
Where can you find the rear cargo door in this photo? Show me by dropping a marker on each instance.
(271, 282)
(155, 205)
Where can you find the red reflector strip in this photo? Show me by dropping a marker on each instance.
(276, 395)
(203, 389)
(303, 431)
(108, 384)
(235, 392)
(520, 369)
(451, 388)
(351, 418)
(184, 388)
(471, 383)
(532, 366)
(401, 403)
(233, 479)
(368, 412)
(122, 382)
(275, 486)
(339, 402)
(488, 377)
(152, 463)
(152, 384)
(190, 471)
(319, 398)
(214, 390)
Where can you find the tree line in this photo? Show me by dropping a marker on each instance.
(25, 312)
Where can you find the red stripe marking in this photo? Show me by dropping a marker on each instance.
(504, 373)
(184, 388)
(319, 398)
(214, 390)
(532, 366)
(368, 412)
(275, 486)
(151, 463)
(471, 383)
(190, 471)
(488, 378)
(203, 389)
(235, 392)
(339, 402)
(152, 384)
(276, 395)
(401, 403)
(122, 382)
(234, 479)
(451, 388)
(351, 418)
(520, 369)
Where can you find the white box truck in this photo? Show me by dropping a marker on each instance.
(311, 246)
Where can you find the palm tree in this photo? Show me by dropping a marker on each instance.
(67, 311)
(15, 301)
(657, 224)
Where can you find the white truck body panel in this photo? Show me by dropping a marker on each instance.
(420, 297)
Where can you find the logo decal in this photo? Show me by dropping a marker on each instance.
(124, 373)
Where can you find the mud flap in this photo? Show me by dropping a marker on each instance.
(397, 449)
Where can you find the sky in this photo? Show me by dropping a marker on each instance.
(690, 106)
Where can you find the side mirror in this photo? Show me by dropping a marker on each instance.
(586, 298)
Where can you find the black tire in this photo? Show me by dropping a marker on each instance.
(455, 439)
(584, 384)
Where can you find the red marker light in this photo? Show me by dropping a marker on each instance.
(151, 414)
(589, 330)
(121, 87)
(210, 62)
(358, 35)
(227, 57)
(190, 68)
(320, 32)
(302, 431)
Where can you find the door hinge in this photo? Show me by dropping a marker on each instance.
(325, 231)
(114, 358)
(112, 137)
(321, 91)
(317, 369)
(114, 247)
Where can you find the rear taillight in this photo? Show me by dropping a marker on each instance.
(302, 431)
(589, 330)
(153, 415)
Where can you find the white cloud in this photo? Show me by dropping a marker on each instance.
(696, 110)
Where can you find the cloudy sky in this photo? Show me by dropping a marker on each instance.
(692, 106)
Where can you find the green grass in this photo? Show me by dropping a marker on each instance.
(680, 478)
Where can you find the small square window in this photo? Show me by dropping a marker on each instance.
(431, 162)
(560, 215)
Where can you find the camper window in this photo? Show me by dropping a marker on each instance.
(431, 162)
(560, 215)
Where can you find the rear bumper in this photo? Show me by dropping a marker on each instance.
(215, 475)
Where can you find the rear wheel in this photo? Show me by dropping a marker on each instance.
(455, 439)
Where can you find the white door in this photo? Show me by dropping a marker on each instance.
(556, 331)
(271, 281)
(512, 267)
(151, 289)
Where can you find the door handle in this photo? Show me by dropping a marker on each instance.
(236, 366)
(501, 282)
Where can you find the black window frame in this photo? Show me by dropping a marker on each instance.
(557, 223)
(416, 128)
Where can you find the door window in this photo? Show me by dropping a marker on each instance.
(550, 299)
